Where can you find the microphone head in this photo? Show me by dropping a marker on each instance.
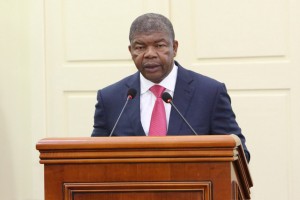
(166, 97)
(131, 93)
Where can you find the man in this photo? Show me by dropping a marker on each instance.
(204, 102)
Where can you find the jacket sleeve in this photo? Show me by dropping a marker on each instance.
(223, 118)
(100, 124)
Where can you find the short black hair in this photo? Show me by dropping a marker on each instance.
(151, 22)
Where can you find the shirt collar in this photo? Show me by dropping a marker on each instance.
(168, 82)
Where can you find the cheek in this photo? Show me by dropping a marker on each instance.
(166, 57)
(137, 58)
(137, 61)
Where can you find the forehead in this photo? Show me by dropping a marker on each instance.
(151, 37)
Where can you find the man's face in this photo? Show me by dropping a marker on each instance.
(153, 54)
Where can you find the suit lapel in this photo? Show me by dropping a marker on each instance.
(182, 97)
(133, 112)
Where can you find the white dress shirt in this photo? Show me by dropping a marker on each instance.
(148, 98)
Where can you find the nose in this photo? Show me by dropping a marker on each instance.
(150, 52)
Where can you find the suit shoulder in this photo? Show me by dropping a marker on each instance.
(200, 79)
(121, 85)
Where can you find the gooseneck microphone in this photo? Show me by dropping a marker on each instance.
(130, 95)
(168, 99)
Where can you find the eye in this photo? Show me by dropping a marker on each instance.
(139, 47)
(160, 45)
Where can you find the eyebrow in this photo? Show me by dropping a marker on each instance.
(156, 41)
(161, 40)
(138, 42)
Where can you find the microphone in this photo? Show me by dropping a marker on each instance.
(168, 99)
(130, 95)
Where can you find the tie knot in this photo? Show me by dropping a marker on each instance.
(157, 90)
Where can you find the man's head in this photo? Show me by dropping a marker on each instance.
(153, 46)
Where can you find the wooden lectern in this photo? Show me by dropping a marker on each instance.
(145, 168)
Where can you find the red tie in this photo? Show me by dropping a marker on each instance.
(158, 124)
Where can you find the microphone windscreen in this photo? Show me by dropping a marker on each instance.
(131, 93)
(166, 97)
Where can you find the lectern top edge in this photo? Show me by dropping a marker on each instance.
(209, 141)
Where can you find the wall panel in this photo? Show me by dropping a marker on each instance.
(264, 118)
(92, 29)
(78, 113)
(236, 28)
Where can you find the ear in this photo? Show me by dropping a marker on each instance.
(129, 48)
(175, 47)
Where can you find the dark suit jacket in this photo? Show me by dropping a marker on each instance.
(203, 101)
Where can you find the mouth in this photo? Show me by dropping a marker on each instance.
(151, 67)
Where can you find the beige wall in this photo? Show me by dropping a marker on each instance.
(55, 55)
(21, 100)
